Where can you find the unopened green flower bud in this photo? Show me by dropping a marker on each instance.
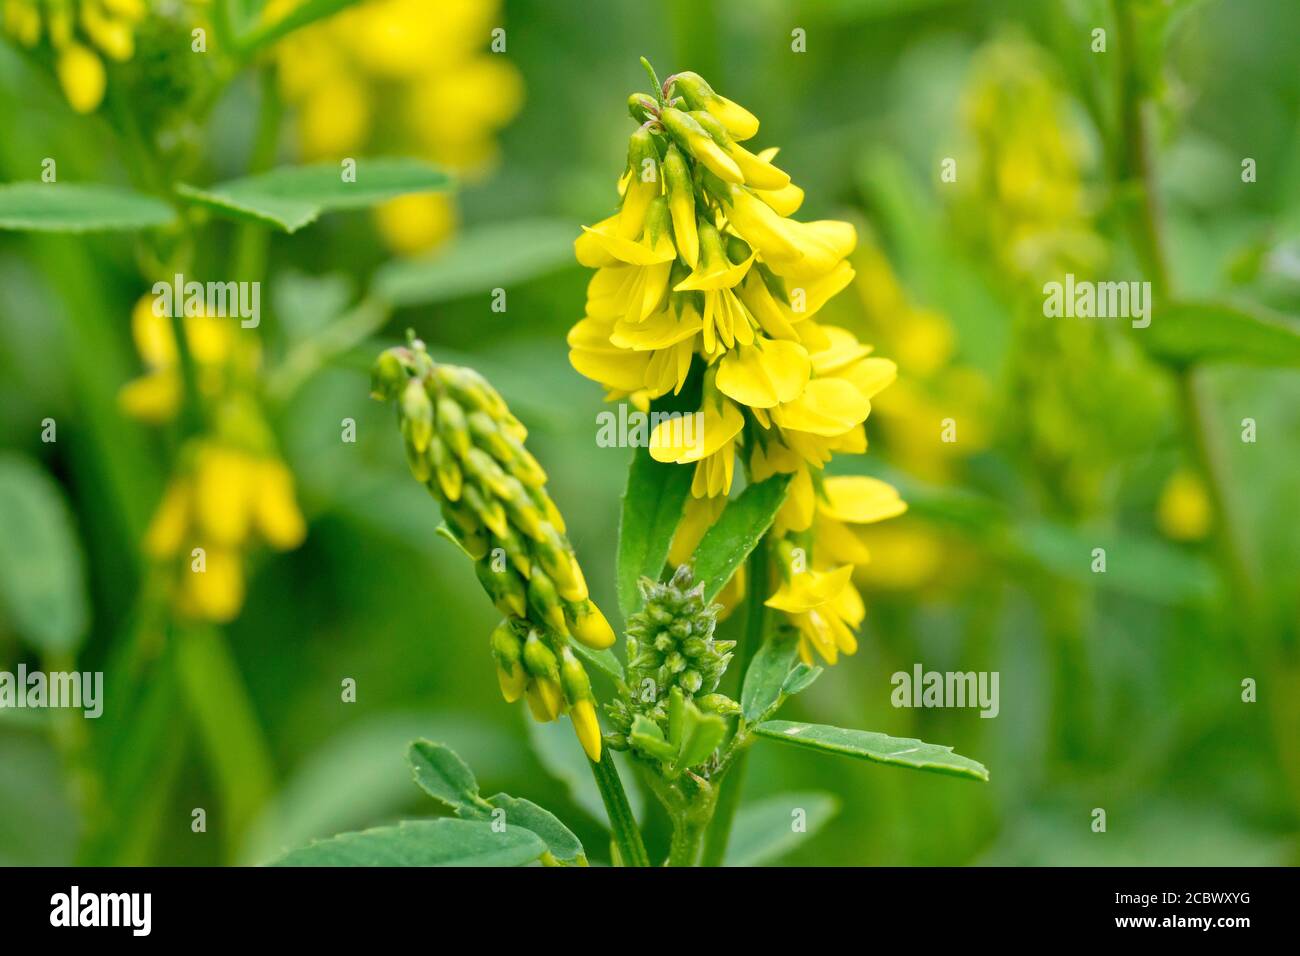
(573, 677)
(483, 430)
(717, 704)
(504, 587)
(387, 376)
(452, 426)
(417, 415)
(693, 138)
(540, 659)
(450, 479)
(488, 511)
(516, 550)
(642, 184)
(740, 123)
(641, 107)
(545, 601)
(681, 205)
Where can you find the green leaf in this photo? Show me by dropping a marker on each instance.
(701, 735)
(304, 14)
(42, 582)
(487, 257)
(444, 776)
(800, 679)
(560, 840)
(652, 508)
(764, 830)
(79, 207)
(767, 673)
(1190, 333)
(738, 529)
(645, 735)
(441, 774)
(295, 196)
(880, 748)
(445, 842)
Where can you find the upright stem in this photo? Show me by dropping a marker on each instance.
(719, 830)
(685, 845)
(622, 824)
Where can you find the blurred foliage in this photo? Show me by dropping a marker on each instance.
(1120, 690)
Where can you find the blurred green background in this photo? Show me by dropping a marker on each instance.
(1120, 691)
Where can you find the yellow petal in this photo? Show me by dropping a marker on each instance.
(587, 727)
(859, 499)
(827, 407)
(278, 519)
(810, 589)
(765, 374)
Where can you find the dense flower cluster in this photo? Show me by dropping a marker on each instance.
(702, 267)
(466, 447)
(230, 488)
(79, 34)
(403, 75)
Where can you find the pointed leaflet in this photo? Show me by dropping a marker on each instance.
(445, 842)
(652, 508)
(738, 529)
(880, 748)
(79, 207)
(295, 196)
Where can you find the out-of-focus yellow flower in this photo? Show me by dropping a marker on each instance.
(216, 505)
(702, 268)
(1023, 192)
(932, 385)
(1184, 512)
(229, 490)
(155, 396)
(78, 33)
(404, 75)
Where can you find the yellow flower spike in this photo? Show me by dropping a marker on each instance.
(694, 139)
(740, 123)
(81, 74)
(587, 727)
(278, 519)
(764, 374)
(643, 185)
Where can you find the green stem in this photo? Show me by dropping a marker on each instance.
(1232, 548)
(685, 845)
(733, 778)
(622, 824)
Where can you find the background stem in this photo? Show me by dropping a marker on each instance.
(622, 824)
